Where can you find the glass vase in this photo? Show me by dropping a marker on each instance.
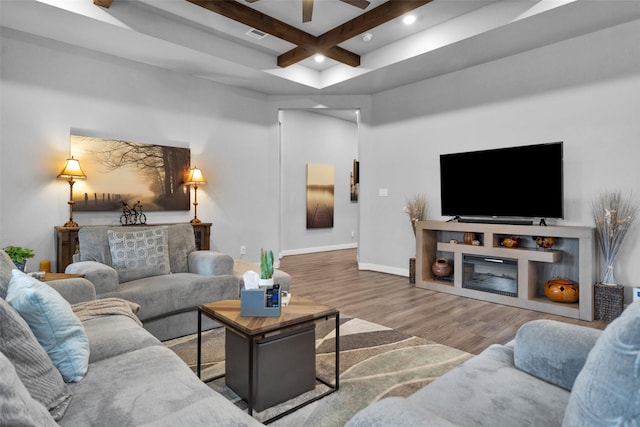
(609, 278)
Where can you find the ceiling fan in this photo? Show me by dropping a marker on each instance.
(307, 7)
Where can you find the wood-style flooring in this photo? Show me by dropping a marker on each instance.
(333, 278)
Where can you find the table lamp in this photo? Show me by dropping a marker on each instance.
(195, 178)
(71, 171)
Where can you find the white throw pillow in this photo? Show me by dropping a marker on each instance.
(139, 253)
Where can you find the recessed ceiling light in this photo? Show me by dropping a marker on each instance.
(409, 19)
(366, 37)
(319, 58)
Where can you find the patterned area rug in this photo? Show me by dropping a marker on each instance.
(375, 362)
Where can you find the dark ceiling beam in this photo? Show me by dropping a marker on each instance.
(103, 3)
(251, 17)
(303, 52)
(358, 25)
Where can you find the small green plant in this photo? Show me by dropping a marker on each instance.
(266, 264)
(18, 254)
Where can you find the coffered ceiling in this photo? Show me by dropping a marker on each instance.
(266, 45)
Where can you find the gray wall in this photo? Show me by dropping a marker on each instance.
(49, 88)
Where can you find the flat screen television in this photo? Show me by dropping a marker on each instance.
(500, 184)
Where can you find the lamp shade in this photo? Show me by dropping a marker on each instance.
(194, 177)
(72, 170)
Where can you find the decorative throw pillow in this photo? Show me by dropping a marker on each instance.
(17, 407)
(139, 253)
(31, 362)
(6, 265)
(52, 321)
(607, 390)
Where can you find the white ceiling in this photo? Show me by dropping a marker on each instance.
(448, 35)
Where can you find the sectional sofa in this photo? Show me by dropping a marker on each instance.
(104, 371)
(552, 374)
(159, 268)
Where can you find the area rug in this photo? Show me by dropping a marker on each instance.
(375, 362)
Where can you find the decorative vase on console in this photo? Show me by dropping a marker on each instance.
(442, 267)
(469, 237)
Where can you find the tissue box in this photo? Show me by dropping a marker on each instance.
(263, 302)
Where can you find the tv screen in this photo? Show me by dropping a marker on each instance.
(517, 182)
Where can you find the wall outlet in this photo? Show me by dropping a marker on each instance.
(353, 234)
(243, 250)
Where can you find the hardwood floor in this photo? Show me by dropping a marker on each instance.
(333, 278)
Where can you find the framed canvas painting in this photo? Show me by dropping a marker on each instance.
(127, 172)
(320, 196)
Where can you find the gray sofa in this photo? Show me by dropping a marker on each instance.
(131, 379)
(159, 268)
(552, 374)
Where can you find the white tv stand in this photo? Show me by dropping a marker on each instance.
(572, 257)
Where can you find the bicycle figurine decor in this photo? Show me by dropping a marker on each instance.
(132, 216)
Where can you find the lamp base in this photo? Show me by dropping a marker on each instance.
(195, 221)
(71, 223)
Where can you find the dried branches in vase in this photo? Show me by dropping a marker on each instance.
(417, 210)
(613, 214)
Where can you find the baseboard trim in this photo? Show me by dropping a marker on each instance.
(317, 249)
(384, 269)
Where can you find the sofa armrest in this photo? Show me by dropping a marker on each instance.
(103, 277)
(74, 290)
(210, 263)
(553, 351)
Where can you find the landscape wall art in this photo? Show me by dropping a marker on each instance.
(122, 171)
(320, 196)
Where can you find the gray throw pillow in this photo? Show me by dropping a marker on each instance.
(6, 265)
(607, 390)
(31, 362)
(139, 253)
(17, 407)
(94, 244)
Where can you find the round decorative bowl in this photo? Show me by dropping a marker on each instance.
(442, 267)
(544, 242)
(510, 242)
(561, 290)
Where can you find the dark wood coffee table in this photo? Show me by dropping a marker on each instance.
(300, 314)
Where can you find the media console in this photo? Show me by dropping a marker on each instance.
(571, 257)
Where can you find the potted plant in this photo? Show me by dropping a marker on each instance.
(266, 268)
(19, 255)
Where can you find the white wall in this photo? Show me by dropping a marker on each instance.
(308, 137)
(583, 91)
(49, 88)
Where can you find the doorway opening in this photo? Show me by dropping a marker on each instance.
(317, 137)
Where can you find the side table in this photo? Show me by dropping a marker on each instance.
(249, 339)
